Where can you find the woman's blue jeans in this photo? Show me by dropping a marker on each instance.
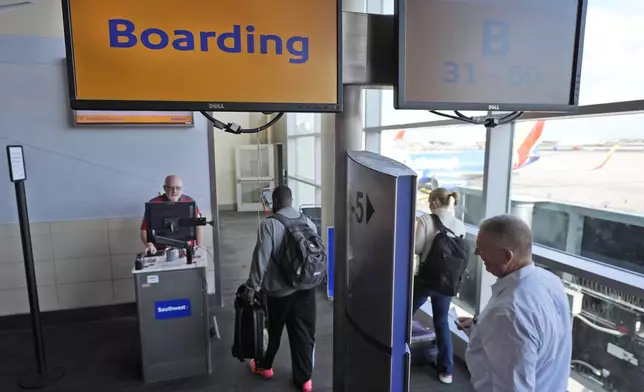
(440, 310)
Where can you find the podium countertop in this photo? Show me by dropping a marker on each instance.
(159, 264)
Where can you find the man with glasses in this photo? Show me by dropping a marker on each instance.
(172, 188)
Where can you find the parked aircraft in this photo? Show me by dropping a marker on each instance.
(443, 165)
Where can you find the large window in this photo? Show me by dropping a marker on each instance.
(613, 56)
(391, 116)
(580, 182)
(304, 158)
(577, 180)
(451, 157)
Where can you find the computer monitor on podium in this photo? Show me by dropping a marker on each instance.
(171, 220)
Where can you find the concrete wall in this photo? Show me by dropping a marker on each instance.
(79, 263)
(86, 186)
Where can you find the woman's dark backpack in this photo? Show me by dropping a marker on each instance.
(443, 268)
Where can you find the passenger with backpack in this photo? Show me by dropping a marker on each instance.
(289, 261)
(444, 253)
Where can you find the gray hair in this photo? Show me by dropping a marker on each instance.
(511, 231)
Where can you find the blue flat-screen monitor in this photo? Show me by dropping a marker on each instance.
(499, 55)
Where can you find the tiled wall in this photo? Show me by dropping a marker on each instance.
(78, 264)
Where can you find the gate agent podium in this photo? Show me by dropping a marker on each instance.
(381, 217)
(172, 303)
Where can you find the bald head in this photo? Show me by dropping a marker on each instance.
(504, 243)
(173, 187)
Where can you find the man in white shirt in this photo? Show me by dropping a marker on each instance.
(522, 340)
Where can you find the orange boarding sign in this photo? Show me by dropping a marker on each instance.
(272, 55)
(83, 117)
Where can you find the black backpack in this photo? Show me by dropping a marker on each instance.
(443, 268)
(303, 259)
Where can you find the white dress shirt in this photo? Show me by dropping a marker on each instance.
(522, 340)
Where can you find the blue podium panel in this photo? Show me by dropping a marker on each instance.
(330, 250)
(381, 217)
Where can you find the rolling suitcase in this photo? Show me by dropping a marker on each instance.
(251, 336)
(423, 345)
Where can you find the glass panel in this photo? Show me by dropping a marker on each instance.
(304, 153)
(254, 163)
(579, 182)
(452, 157)
(292, 153)
(612, 59)
(318, 160)
(608, 339)
(391, 116)
(303, 194)
(388, 7)
(304, 123)
(467, 294)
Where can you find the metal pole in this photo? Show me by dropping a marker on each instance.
(214, 211)
(30, 272)
(496, 191)
(44, 376)
(328, 172)
(348, 137)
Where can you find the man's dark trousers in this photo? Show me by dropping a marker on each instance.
(296, 311)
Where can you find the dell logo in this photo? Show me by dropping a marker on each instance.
(493, 107)
(216, 106)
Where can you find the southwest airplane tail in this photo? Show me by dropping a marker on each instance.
(607, 157)
(528, 151)
(451, 168)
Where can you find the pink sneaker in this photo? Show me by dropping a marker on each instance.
(308, 386)
(267, 374)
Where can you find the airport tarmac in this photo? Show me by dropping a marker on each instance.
(578, 177)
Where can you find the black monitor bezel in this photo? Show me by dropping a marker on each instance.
(399, 88)
(152, 205)
(215, 106)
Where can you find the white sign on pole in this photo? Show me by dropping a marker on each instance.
(16, 163)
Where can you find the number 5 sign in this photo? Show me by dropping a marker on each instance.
(362, 207)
